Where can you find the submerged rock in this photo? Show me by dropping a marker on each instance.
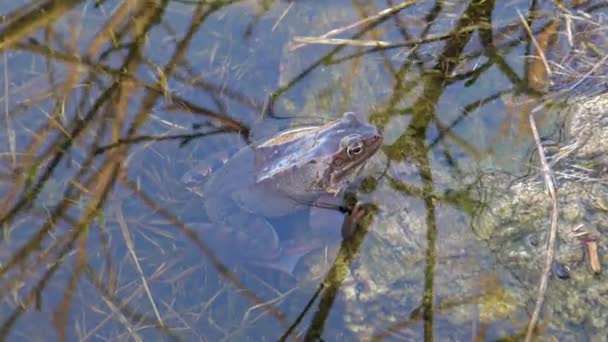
(516, 215)
(487, 264)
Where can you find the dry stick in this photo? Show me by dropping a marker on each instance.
(22, 24)
(151, 138)
(550, 184)
(133, 331)
(541, 54)
(384, 13)
(282, 16)
(380, 45)
(568, 19)
(590, 72)
(122, 222)
(340, 41)
(10, 133)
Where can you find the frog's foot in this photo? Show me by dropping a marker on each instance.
(302, 261)
(287, 260)
(353, 220)
(195, 178)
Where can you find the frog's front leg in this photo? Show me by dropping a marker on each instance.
(327, 216)
(325, 236)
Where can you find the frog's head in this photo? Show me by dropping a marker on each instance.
(314, 159)
(343, 147)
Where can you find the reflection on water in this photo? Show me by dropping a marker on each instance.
(107, 104)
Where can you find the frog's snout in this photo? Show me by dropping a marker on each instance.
(375, 139)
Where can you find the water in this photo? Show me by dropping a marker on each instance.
(106, 106)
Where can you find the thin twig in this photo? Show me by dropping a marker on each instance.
(568, 20)
(541, 54)
(550, 184)
(10, 133)
(124, 320)
(37, 16)
(590, 72)
(185, 138)
(339, 41)
(282, 16)
(122, 222)
(382, 14)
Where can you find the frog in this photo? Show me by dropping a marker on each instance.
(303, 169)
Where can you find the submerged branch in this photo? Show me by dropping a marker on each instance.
(39, 16)
(550, 185)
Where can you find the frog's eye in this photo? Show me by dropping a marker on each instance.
(354, 149)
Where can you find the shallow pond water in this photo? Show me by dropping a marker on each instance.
(107, 104)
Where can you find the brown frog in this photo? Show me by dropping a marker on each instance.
(296, 170)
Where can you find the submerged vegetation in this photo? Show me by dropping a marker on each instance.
(106, 104)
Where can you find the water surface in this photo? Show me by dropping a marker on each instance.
(106, 104)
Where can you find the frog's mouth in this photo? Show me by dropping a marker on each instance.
(342, 178)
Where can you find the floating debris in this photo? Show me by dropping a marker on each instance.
(560, 270)
(592, 256)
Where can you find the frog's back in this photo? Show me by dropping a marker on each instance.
(236, 173)
(235, 187)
